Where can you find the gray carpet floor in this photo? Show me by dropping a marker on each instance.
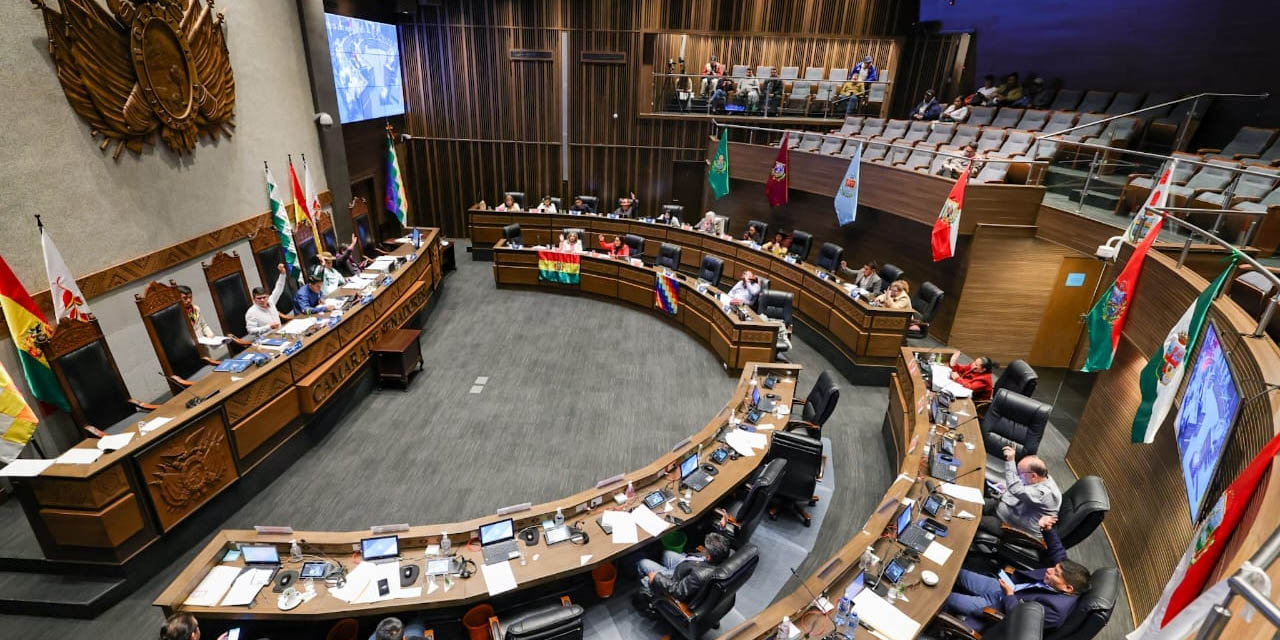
(578, 389)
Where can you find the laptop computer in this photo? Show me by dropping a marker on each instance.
(383, 549)
(944, 467)
(260, 555)
(498, 541)
(693, 476)
(765, 402)
(910, 535)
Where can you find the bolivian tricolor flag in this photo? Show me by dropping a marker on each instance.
(559, 266)
(666, 294)
(17, 420)
(26, 323)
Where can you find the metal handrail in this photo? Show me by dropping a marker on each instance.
(1260, 96)
(1157, 156)
(1217, 619)
(894, 145)
(764, 78)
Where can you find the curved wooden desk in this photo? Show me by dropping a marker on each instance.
(735, 339)
(863, 333)
(554, 563)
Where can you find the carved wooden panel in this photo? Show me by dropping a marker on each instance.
(258, 427)
(222, 264)
(263, 236)
(315, 352)
(71, 334)
(157, 296)
(248, 399)
(87, 493)
(187, 469)
(749, 335)
(105, 529)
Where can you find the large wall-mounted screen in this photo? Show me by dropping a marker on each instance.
(366, 67)
(1205, 417)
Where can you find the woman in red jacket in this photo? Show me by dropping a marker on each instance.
(975, 376)
(617, 248)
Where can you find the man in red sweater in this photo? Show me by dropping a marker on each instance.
(975, 376)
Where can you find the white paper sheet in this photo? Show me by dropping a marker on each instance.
(968, 494)
(738, 443)
(937, 553)
(213, 587)
(215, 341)
(297, 326)
(623, 525)
(498, 577)
(156, 423)
(80, 456)
(583, 559)
(652, 523)
(885, 618)
(117, 441)
(357, 580)
(246, 587)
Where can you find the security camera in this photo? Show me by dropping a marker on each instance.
(323, 119)
(1109, 249)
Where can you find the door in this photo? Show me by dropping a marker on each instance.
(1074, 291)
(687, 180)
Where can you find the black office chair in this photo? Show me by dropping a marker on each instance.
(761, 229)
(559, 621)
(635, 243)
(518, 196)
(669, 256)
(1012, 419)
(888, 273)
(1017, 377)
(559, 205)
(1093, 608)
(82, 363)
(181, 360)
(675, 211)
(592, 202)
(801, 242)
(829, 257)
(582, 234)
(1084, 507)
(1025, 622)
(745, 513)
(764, 286)
(804, 464)
(512, 235)
(693, 619)
(818, 406)
(925, 306)
(777, 305)
(712, 270)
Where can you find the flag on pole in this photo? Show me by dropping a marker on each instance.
(1147, 215)
(719, 174)
(17, 420)
(559, 266)
(1184, 602)
(397, 203)
(847, 194)
(280, 222)
(28, 327)
(1162, 376)
(947, 227)
(666, 294)
(312, 199)
(68, 302)
(1106, 319)
(779, 176)
(301, 214)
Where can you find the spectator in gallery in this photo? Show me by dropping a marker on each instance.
(1009, 92)
(772, 89)
(724, 86)
(546, 206)
(749, 89)
(1038, 96)
(509, 204)
(850, 93)
(928, 109)
(952, 167)
(865, 70)
(986, 94)
(711, 71)
(957, 111)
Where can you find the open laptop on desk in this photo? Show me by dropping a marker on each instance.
(909, 534)
(693, 476)
(763, 403)
(498, 541)
(380, 550)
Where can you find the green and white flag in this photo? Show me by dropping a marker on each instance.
(718, 176)
(280, 221)
(1162, 376)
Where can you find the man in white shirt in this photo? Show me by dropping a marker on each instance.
(746, 290)
(262, 316)
(330, 278)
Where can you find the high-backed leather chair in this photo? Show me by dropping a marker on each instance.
(1025, 622)
(817, 407)
(801, 243)
(1084, 506)
(511, 233)
(591, 201)
(1093, 608)
(777, 305)
(761, 228)
(925, 303)
(804, 464)
(1012, 419)
(829, 257)
(888, 273)
(669, 256)
(225, 277)
(556, 201)
(635, 244)
(1017, 377)
(744, 513)
(305, 243)
(674, 210)
(711, 270)
(181, 359)
(582, 235)
(559, 621)
(693, 619)
(328, 235)
(362, 223)
(81, 361)
(518, 196)
(267, 253)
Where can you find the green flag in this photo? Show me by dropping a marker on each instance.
(280, 222)
(1162, 376)
(719, 175)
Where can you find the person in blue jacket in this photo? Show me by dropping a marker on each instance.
(928, 109)
(309, 300)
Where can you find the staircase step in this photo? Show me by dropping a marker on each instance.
(66, 596)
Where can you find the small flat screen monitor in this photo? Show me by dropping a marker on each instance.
(904, 520)
(856, 586)
(497, 532)
(755, 396)
(260, 554)
(1205, 417)
(314, 570)
(688, 465)
(380, 548)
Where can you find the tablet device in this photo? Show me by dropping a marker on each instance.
(657, 497)
(314, 570)
(380, 548)
(557, 535)
(932, 504)
(719, 455)
(894, 570)
(260, 554)
(439, 566)
(1004, 577)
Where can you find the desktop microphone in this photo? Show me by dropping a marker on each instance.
(826, 615)
(931, 485)
(969, 472)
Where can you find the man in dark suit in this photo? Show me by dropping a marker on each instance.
(1056, 588)
(679, 575)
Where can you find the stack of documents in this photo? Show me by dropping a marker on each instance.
(885, 618)
(297, 326)
(246, 587)
(623, 526)
(80, 456)
(25, 468)
(746, 442)
(213, 587)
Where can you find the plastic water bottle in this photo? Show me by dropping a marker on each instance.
(631, 491)
(444, 544)
(846, 620)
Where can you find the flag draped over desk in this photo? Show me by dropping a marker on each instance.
(284, 230)
(666, 294)
(559, 266)
(1106, 319)
(68, 302)
(847, 194)
(17, 420)
(947, 227)
(396, 202)
(28, 327)
(776, 186)
(1162, 376)
(719, 174)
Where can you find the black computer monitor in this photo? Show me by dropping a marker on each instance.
(688, 465)
(380, 548)
(904, 520)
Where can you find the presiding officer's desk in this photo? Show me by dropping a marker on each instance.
(554, 563)
(909, 425)
(865, 334)
(735, 339)
(218, 430)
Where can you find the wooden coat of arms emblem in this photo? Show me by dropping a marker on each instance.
(139, 67)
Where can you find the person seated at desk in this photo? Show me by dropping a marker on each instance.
(625, 208)
(570, 244)
(310, 299)
(1055, 588)
(753, 235)
(579, 206)
(778, 246)
(746, 290)
(182, 626)
(508, 204)
(975, 376)
(547, 206)
(709, 224)
(1029, 495)
(866, 278)
(330, 279)
(189, 307)
(395, 629)
(897, 296)
(263, 316)
(668, 218)
(617, 248)
(681, 576)
(346, 259)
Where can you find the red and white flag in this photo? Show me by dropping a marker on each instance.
(68, 302)
(312, 198)
(1149, 213)
(947, 227)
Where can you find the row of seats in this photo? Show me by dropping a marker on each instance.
(813, 93)
(1161, 122)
